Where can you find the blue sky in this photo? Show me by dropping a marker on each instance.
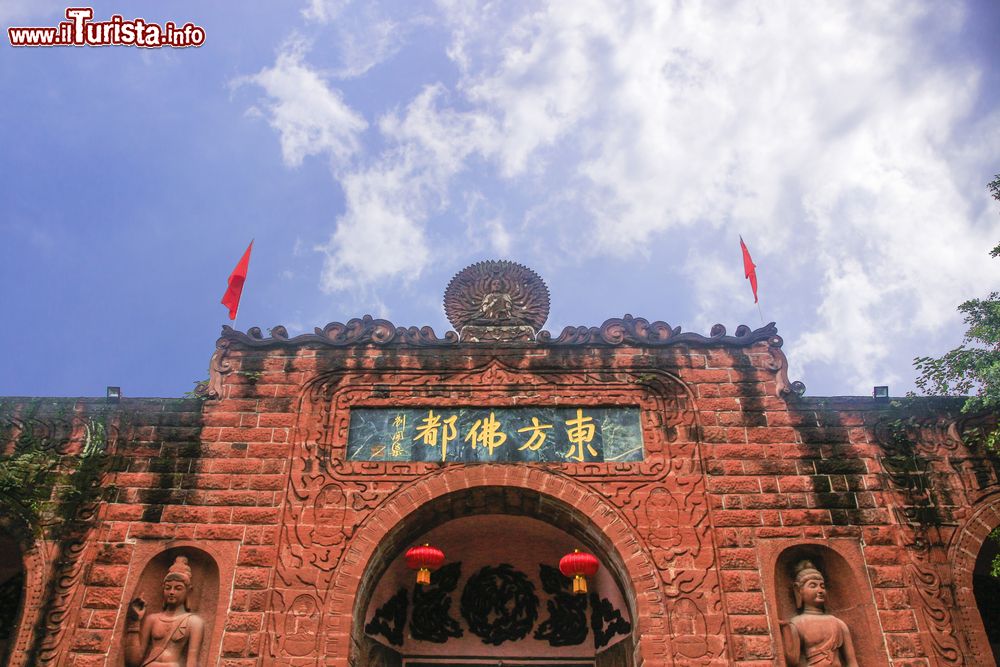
(373, 150)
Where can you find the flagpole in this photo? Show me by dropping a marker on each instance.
(760, 313)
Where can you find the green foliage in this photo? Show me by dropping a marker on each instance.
(995, 563)
(38, 484)
(973, 368)
(26, 480)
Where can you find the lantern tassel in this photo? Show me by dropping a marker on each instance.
(423, 576)
(579, 584)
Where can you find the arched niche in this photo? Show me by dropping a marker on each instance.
(849, 594)
(207, 597)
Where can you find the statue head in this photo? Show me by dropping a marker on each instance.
(809, 586)
(177, 583)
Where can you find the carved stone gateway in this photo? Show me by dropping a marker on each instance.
(263, 523)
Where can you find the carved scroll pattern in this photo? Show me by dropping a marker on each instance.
(915, 457)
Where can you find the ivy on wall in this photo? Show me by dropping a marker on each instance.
(43, 488)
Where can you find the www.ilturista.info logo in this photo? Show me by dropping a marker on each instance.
(80, 30)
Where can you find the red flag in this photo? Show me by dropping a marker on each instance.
(231, 299)
(749, 269)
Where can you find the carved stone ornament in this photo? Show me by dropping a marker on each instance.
(496, 301)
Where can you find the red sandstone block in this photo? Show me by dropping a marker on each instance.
(263, 556)
(766, 501)
(749, 625)
(141, 480)
(898, 621)
(737, 559)
(150, 531)
(733, 485)
(243, 622)
(892, 598)
(267, 450)
(752, 647)
(879, 535)
(267, 482)
(770, 467)
(91, 641)
(225, 532)
(277, 420)
(234, 644)
(902, 646)
(251, 577)
(249, 600)
(771, 532)
(737, 518)
(106, 575)
(192, 514)
(103, 620)
(886, 576)
(853, 532)
(83, 660)
(804, 517)
(769, 484)
(248, 420)
(745, 603)
(707, 376)
(771, 434)
(708, 391)
(245, 435)
(241, 466)
(731, 581)
(273, 466)
(737, 451)
(883, 555)
(223, 419)
(120, 553)
(118, 512)
(268, 536)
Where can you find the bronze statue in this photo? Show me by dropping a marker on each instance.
(168, 638)
(814, 638)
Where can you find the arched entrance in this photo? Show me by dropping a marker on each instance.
(555, 501)
(976, 591)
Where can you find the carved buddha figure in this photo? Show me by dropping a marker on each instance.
(168, 638)
(814, 638)
(497, 306)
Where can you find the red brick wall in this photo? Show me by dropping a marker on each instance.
(734, 476)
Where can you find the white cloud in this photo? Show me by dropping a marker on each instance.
(825, 132)
(310, 116)
(324, 11)
(381, 233)
(820, 130)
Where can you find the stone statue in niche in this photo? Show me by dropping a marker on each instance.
(814, 638)
(168, 638)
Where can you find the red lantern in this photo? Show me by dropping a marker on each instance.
(579, 565)
(424, 559)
